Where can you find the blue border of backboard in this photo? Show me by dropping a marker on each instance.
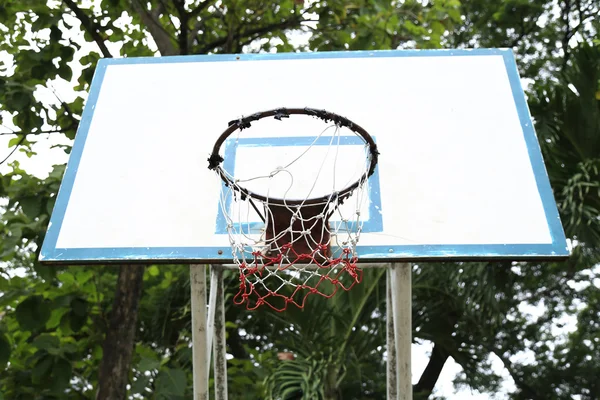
(374, 223)
(556, 249)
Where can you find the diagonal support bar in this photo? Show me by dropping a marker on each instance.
(210, 321)
(392, 372)
(219, 348)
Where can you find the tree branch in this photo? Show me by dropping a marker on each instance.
(524, 32)
(162, 38)
(184, 18)
(36, 133)
(200, 8)
(289, 23)
(13, 150)
(89, 26)
(567, 36)
(432, 372)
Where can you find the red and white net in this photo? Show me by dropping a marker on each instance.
(299, 238)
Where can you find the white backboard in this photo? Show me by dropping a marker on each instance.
(460, 174)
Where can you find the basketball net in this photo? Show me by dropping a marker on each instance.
(302, 246)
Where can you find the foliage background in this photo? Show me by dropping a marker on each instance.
(539, 320)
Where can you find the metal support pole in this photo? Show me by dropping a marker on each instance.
(402, 310)
(200, 355)
(392, 372)
(220, 349)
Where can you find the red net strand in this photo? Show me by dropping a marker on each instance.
(332, 274)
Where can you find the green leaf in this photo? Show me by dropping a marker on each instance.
(437, 28)
(76, 322)
(148, 364)
(5, 351)
(55, 33)
(66, 53)
(79, 307)
(97, 352)
(67, 278)
(170, 383)
(140, 384)
(31, 206)
(41, 369)
(84, 276)
(33, 312)
(153, 270)
(46, 341)
(50, 205)
(20, 100)
(65, 72)
(63, 301)
(61, 375)
(14, 141)
(41, 70)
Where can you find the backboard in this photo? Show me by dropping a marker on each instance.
(460, 172)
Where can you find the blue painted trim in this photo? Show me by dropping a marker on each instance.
(307, 56)
(373, 224)
(463, 251)
(64, 193)
(558, 247)
(369, 253)
(535, 156)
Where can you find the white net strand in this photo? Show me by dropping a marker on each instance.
(277, 265)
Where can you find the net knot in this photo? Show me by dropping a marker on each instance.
(281, 113)
(214, 160)
(241, 123)
(276, 171)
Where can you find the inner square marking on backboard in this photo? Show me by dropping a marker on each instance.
(374, 223)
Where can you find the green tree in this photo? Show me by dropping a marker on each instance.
(57, 324)
(62, 40)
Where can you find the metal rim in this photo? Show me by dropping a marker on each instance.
(215, 160)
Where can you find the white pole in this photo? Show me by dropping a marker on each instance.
(402, 310)
(220, 350)
(392, 373)
(200, 356)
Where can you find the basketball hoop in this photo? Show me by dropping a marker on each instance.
(299, 250)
